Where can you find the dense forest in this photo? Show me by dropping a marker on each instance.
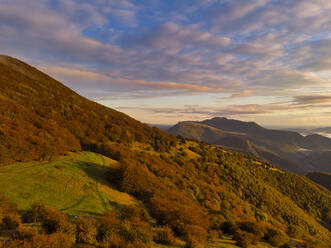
(190, 190)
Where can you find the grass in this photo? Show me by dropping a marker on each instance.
(73, 184)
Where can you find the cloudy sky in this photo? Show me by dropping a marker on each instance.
(166, 61)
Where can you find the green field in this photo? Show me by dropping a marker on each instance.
(73, 184)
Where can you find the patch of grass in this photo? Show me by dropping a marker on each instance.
(73, 184)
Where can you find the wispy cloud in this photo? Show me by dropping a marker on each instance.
(244, 48)
(312, 99)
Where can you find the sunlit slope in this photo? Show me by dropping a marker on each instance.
(41, 118)
(71, 183)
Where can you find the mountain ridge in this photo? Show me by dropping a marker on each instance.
(285, 149)
(183, 184)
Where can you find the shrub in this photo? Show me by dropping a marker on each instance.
(11, 221)
(17, 244)
(214, 234)
(195, 236)
(115, 242)
(54, 240)
(7, 206)
(132, 213)
(244, 239)
(114, 233)
(23, 233)
(177, 214)
(58, 222)
(38, 212)
(275, 237)
(108, 227)
(138, 244)
(136, 231)
(51, 219)
(258, 229)
(85, 230)
(164, 236)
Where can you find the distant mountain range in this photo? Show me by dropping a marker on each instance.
(324, 131)
(321, 178)
(285, 149)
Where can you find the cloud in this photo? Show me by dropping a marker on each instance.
(312, 99)
(121, 48)
(244, 93)
(230, 110)
(173, 36)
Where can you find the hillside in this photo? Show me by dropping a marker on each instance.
(321, 178)
(285, 149)
(41, 118)
(190, 187)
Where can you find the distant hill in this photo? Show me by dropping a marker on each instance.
(188, 186)
(285, 149)
(321, 178)
(322, 130)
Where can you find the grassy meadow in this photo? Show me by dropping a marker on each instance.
(73, 184)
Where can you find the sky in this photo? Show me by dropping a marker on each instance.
(164, 61)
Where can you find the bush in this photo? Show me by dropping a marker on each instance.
(136, 231)
(17, 244)
(177, 214)
(58, 222)
(164, 236)
(54, 240)
(244, 239)
(38, 212)
(132, 213)
(258, 229)
(108, 227)
(114, 233)
(11, 221)
(275, 237)
(195, 236)
(215, 234)
(85, 230)
(23, 233)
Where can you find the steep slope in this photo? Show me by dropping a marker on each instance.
(187, 185)
(40, 117)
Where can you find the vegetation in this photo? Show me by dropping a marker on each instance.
(143, 180)
(41, 118)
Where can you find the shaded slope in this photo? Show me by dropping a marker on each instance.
(321, 178)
